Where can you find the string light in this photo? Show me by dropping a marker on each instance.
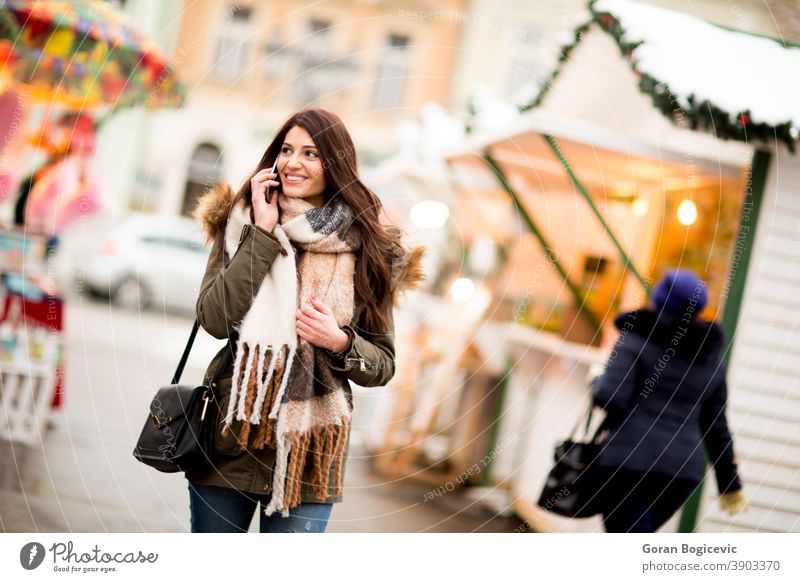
(429, 214)
(687, 213)
(462, 289)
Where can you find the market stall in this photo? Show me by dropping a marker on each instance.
(628, 163)
(31, 342)
(64, 68)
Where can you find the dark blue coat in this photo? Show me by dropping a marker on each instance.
(665, 393)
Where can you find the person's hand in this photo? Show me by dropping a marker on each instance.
(596, 370)
(265, 215)
(316, 324)
(733, 502)
(610, 336)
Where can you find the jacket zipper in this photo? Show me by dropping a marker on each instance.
(363, 364)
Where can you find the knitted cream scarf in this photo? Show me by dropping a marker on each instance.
(305, 411)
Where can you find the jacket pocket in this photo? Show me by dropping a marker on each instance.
(226, 444)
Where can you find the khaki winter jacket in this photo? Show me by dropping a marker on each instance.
(225, 296)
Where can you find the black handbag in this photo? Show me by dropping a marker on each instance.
(178, 434)
(572, 488)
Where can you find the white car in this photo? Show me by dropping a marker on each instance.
(147, 260)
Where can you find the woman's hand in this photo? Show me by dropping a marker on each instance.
(316, 324)
(733, 502)
(266, 215)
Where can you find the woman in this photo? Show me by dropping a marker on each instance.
(665, 393)
(303, 276)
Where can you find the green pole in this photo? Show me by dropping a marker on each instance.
(580, 187)
(740, 263)
(485, 480)
(551, 256)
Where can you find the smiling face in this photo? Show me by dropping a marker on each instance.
(300, 167)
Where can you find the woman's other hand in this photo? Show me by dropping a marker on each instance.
(316, 324)
(733, 502)
(265, 215)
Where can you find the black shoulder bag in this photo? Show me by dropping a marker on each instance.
(178, 434)
(572, 488)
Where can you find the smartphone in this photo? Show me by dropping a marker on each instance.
(272, 171)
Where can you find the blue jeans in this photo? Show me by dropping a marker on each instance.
(223, 510)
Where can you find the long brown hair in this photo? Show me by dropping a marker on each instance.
(373, 270)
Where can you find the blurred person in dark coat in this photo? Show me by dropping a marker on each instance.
(665, 394)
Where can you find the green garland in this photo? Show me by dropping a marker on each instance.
(699, 114)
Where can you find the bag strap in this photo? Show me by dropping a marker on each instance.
(226, 359)
(179, 370)
(587, 425)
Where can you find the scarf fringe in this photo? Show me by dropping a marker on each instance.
(236, 381)
(287, 372)
(264, 383)
(253, 390)
(276, 502)
(325, 444)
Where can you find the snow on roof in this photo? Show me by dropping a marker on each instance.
(736, 85)
(736, 72)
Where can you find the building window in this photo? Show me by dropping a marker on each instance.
(277, 57)
(311, 81)
(233, 42)
(317, 46)
(205, 170)
(392, 75)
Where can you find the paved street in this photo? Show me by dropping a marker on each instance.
(85, 478)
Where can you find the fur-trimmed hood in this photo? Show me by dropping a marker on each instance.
(212, 211)
(694, 338)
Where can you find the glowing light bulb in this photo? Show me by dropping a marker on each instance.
(462, 289)
(429, 214)
(639, 207)
(687, 213)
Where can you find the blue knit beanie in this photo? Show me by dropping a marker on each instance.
(680, 293)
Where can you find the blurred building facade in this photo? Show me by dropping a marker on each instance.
(126, 136)
(248, 65)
